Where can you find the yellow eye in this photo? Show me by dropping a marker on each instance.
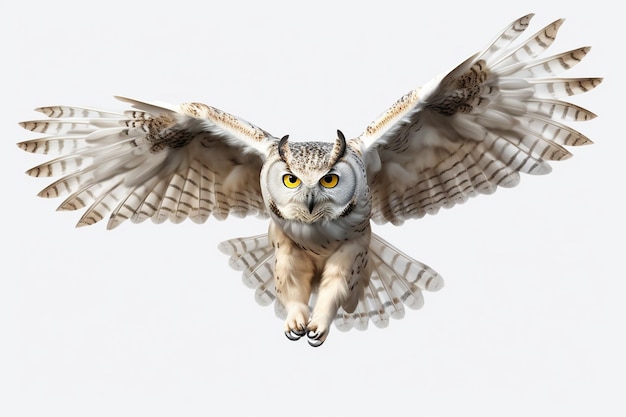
(291, 181)
(329, 181)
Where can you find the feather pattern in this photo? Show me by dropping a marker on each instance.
(497, 115)
(396, 281)
(466, 133)
(157, 161)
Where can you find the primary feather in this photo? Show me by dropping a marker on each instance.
(158, 161)
(476, 128)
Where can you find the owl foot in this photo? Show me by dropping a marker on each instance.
(315, 339)
(297, 319)
(317, 333)
(294, 334)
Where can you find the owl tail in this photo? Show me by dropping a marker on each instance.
(255, 257)
(396, 281)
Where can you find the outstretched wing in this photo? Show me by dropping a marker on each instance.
(155, 161)
(497, 114)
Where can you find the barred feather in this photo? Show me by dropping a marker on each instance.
(396, 281)
(491, 118)
(157, 161)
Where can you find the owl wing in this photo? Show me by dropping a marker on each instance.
(495, 115)
(155, 161)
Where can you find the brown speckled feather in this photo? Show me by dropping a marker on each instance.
(156, 161)
(491, 118)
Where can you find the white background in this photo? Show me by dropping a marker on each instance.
(150, 320)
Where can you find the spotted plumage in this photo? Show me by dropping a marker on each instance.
(496, 115)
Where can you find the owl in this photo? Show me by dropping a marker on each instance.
(497, 114)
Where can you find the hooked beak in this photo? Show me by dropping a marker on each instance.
(310, 203)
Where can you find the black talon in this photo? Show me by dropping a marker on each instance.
(314, 339)
(295, 334)
(315, 342)
(292, 336)
(299, 333)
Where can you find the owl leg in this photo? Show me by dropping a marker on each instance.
(293, 289)
(331, 294)
(339, 278)
(292, 278)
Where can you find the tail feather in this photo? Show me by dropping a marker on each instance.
(396, 281)
(374, 307)
(358, 319)
(407, 268)
(400, 290)
(254, 256)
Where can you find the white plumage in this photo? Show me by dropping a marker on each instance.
(465, 133)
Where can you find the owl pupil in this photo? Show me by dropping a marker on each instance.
(328, 178)
(291, 181)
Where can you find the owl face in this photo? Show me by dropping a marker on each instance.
(309, 182)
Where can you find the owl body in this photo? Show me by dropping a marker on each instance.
(319, 229)
(496, 115)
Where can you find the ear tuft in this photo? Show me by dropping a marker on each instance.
(283, 147)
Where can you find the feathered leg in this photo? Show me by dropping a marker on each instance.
(293, 277)
(344, 276)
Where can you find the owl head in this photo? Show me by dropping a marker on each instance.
(311, 181)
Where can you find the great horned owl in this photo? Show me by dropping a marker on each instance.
(466, 133)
